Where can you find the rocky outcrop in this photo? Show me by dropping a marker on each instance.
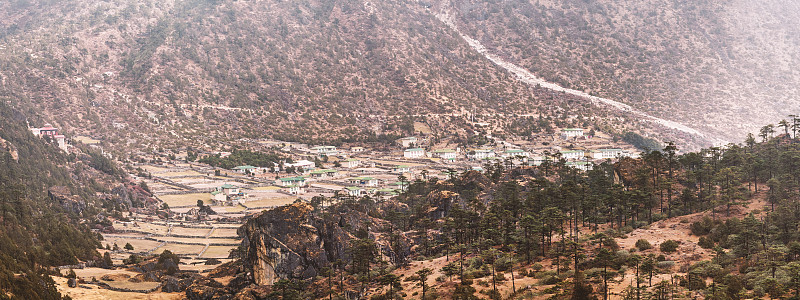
(63, 196)
(290, 242)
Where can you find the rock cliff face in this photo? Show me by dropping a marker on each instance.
(290, 242)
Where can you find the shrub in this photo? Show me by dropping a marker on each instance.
(667, 264)
(643, 244)
(668, 246)
(705, 243)
(702, 227)
(548, 280)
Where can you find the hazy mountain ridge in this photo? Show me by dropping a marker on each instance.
(720, 67)
(309, 71)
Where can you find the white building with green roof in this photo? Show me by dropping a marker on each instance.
(323, 173)
(288, 181)
(573, 154)
(364, 181)
(480, 154)
(325, 150)
(571, 133)
(414, 153)
(352, 163)
(514, 153)
(580, 165)
(447, 154)
(607, 153)
(245, 169)
(408, 141)
(402, 169)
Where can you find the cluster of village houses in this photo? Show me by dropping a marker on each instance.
(357, 173)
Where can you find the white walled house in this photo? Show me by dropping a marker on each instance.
(514, 153)
(580, 165)
(408, 141)
(325, 150)
(352, 163)
(364, 181)
(447, 154)
(573, 154)
(304, 165)
(481, 154)
(607, 153)
(245, 169)
(571, 133)
(414, 153)
(536, 160)
(289, 181)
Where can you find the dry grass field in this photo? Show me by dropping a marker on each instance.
(169, 174)
(93, 292)
(270, 202)
(134, 286)
(200, 232)
(266, 188)
(217, 252)
(86, 140)
(224, 232)
(186, 199)
(138, 245)
(181, 249)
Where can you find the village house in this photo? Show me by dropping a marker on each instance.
(227, 194)
(580, 165)
(326, 173)
(567, 133)
(352, 163)
(355, 191)
(414, 153)
(536, 160)
(386, 192)
(357, 149)
(245, 169)
(607, 153)
(303, 165)
(288, 181)
(407, 141)
(325, 150)
(293, 189)
(446, 154)
(573, 154)
(219, 197)
(401, 186)
(402, 169)
(363, 181)
(514, 153)
(480, 154)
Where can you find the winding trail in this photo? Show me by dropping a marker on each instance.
(527, 77)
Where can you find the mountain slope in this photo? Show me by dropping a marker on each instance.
(171, 73)
(723, 68)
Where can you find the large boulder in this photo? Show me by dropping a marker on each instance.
(291, 242)
(63, 196)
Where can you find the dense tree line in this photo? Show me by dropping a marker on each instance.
(243, 157)
(513, 217)
(35, 233)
